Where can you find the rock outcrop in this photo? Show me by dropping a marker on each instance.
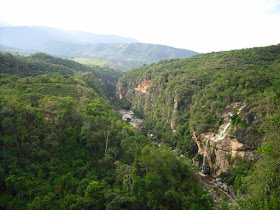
(222, 146)
(122, 91)
(143, 86)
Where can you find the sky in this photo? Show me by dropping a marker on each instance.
(198, 25)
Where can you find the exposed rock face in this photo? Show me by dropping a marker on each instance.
(222, 148)
(143, 86)
(122, 91)
(145, 94)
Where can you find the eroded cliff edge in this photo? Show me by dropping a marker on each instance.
(232, 140)
(188, 102)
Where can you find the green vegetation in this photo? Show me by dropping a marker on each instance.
(119, 55)
(40, 63)
(259, 182)
(88, 61)
(262, 184)
(16, 51)
(202, 86)
(63, 146)
(190, 96)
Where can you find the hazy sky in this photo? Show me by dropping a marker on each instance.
(199, 25)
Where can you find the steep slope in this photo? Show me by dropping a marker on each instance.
(40, 63)
(191, 99)
(221, 110)
(64, 147)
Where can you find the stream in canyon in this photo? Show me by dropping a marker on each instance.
(224, 130)
(216, 188)
(129, 116)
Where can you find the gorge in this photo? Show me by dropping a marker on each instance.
(211, 107)
(70, 137)
(129, 116)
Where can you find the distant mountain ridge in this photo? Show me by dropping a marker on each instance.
(34, 37)
(114, 51)
(16, 51)
(119, 55)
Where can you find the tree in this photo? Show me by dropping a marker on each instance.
(263, 183)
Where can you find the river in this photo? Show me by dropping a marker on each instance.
(129, 115)
(206, 181)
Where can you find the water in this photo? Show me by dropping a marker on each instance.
(205, 169)
(229, 122)
(224, 130)
(128, 114)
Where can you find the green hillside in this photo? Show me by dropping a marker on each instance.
(63, 146)
(203, 82)
(119, 55)
(185, 99)
(40, 63)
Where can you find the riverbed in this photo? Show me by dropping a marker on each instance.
(130, 116)
(206, 181)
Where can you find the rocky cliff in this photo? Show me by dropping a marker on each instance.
(143, 86)
(231, 141)
(216, 99)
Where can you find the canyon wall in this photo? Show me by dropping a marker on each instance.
(223, 146)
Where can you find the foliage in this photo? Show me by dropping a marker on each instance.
(263, 182)
(53, 137)
(40, 63)
(159, 179)
(64, 147)
(234, 175)
(201, 87)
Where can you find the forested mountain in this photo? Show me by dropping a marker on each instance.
(111, 50)
(221, 109)
(119, 55)
(16, 51)
(63, 146)
(40, 63)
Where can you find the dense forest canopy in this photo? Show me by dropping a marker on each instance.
(64, 144)
(202, 83)
(183, 100)
(41, 63)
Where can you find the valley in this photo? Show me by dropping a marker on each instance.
(207, 179)
(87, 137)
(100, 50)
(129, 116)
(212, 108)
